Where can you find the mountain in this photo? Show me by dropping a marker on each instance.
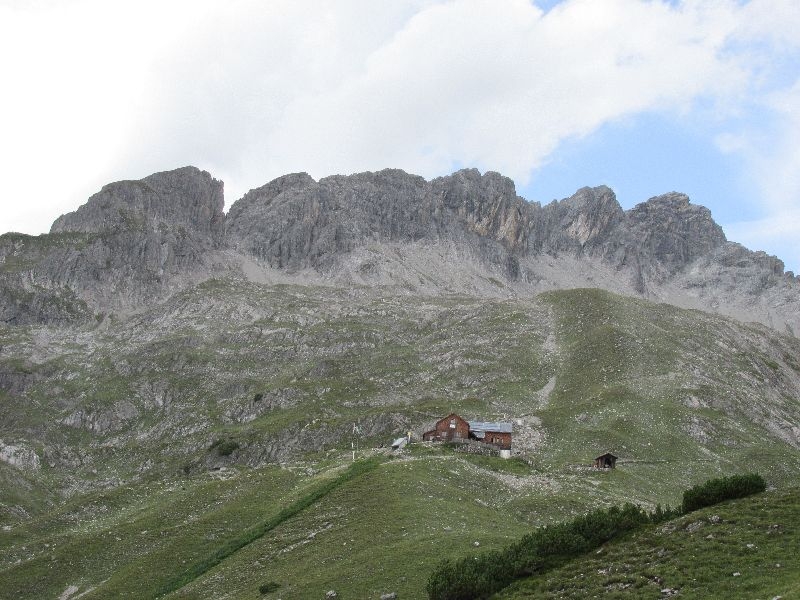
(177, 384)
(136, 241)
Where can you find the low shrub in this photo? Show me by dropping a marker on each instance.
(715, 491)
(224, 447)
(269, 587)
(478, 577)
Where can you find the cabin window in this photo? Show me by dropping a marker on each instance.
(452, 423)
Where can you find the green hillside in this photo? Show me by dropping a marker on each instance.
(741, 549)
(169, 435)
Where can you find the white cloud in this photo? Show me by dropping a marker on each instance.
(73, 78)
(779, 165)
(774, 164)
(770, 142)
(779, 233)
(475, 82)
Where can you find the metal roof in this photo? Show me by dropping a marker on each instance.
(497, 427)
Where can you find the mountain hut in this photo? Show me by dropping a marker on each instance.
(453, 428)
(448, 429)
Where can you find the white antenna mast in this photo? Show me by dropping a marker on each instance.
(354, 441)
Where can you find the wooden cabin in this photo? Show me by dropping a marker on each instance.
(605, 461)
(450, 428)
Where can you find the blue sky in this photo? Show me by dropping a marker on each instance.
(644, 156)
(646, 96)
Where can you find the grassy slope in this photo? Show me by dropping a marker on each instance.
(375, 536)
(384, 530)
(662, 387)
(142, 534)
(758, 538)
(680, 395)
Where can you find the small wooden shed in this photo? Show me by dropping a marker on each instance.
(605, 461)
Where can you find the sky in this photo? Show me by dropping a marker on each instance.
(645, 96)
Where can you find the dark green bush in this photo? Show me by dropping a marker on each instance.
(225, 447)
(659, 515)
(715, 491)
(269, 587)
(478, 577)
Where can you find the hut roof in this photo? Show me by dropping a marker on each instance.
(606, 454)
(496, 426)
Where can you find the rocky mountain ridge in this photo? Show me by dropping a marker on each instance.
(139, 241)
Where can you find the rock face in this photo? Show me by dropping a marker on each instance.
(665, 234)
(128, 244)
(664, 249)
(187, 199)
(584, 224)
(138, 240)
(295, 222)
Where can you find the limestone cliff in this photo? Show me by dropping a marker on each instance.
(136, 242)
(130, 243)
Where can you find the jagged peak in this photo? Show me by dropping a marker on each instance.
(675, 211)
(676, 201)
(186, 196)
(387, 176)
(598, 195)
(276, 186)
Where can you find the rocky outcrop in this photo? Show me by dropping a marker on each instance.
(20, 456)
(486, 205)
(670, 230)
(583, 225)
(295, 222)
(661, 249)
(22, 304)
(664, 235)
(102, 420)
